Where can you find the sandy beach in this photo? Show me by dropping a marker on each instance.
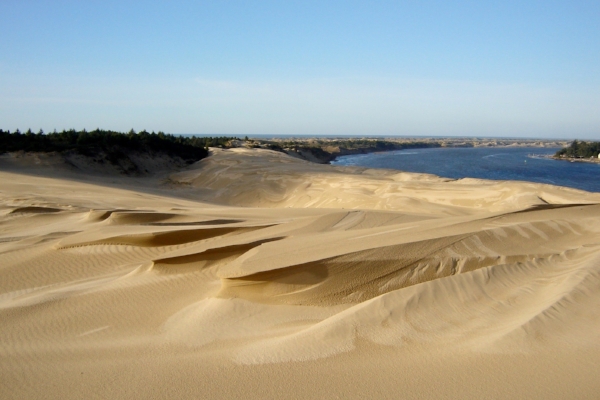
(253, 274)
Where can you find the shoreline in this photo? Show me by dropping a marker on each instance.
(591, 160)
(325, 151)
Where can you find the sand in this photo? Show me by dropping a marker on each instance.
(252, 274)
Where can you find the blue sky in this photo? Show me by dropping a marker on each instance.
(474, 68)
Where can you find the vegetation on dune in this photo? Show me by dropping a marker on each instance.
(357, 144)
(113, 144)
(579, 149)
(327, 150)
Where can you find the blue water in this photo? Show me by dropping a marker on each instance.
(486, 163)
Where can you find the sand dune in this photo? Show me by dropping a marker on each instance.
(254, 274)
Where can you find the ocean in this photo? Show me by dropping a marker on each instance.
(498, 163)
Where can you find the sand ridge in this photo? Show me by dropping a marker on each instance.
(257, 265)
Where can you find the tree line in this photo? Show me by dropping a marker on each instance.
(111, 142)
(579, 149)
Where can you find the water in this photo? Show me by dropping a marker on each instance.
(486, 163)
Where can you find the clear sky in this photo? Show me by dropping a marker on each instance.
(473, 68)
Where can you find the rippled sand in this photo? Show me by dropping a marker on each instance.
(255, 275)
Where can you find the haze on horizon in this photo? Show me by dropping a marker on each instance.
(453, 68)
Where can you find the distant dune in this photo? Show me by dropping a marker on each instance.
(252, 274)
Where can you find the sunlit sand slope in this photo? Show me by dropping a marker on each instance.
(263, 267)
